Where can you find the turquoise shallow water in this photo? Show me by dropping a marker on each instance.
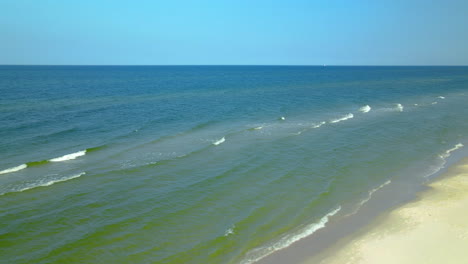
(209, 164)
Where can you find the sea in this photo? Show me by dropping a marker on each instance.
(211, 164)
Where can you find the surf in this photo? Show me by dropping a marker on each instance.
(71, 156)
(346, 117)
(44, 183)
(219, 141)
(288, 239)
(365, 109)
(14, 169)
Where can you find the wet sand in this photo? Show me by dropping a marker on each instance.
(431, 229)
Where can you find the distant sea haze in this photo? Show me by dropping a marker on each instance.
(219, 164)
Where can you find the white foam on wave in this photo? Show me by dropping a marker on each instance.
(399, 107)
(346, 117)
(371, 192)
(365, 109)
(447, 153)
(369, 196)
(319, 124)
(17, 168)
(441, 97)
(434, 103)
(288, 239)
(443, 157)
(258, 128)
(69, 156)
(229, 231)
(313, 126)
(219, 141)
(282, 118)
(44, 183)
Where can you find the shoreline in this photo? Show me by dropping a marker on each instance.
(433, 228)
(345, 228)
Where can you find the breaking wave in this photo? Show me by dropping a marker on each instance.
(346, 117)
(443, 158)
(229, 231)
(17, 168)
(319, 124)
(219, 141)
(288, 239)
(69, 156)
(365, 109)
(447, 153)
(43, 183)
(371, 192)
(399, 107)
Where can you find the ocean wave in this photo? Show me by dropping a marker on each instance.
(371, 192)
(443, 157)
(346, 117)
(434, 103)
(365, 109)
(285, 241)
(69, 156)
(399, 107)
(219, 141)
(44, 183)
(229, 231)
(13, 169)
(319, 124)
(255, 128)
(448, 152)
(369, 196)
(282, 118)
(441, 97)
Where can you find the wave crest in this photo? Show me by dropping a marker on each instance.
(44, 183)
(399, 107)
(219, 141)
(449, 151)
(346, 117)
(13, 169)
(71, 156)
(365, 109)
(288, 239)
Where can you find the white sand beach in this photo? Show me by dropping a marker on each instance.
(431, 229)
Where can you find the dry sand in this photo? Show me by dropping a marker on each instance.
(432, 229)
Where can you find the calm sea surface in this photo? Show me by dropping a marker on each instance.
(214, 164)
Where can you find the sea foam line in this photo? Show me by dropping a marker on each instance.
(229, 231)
(399, 107)
(346, 117)
(371, 192)
(365, 109)
(449, 151)
(13, 169)
(44, 183)
(319, 124)
(288, 239)
(369, 196)
(219, 141)
(69, 156)
(443, 158)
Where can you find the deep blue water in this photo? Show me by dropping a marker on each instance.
(209, 164)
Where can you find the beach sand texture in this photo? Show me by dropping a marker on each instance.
(432, 229)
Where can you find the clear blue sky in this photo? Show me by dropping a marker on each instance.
(297, 32)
